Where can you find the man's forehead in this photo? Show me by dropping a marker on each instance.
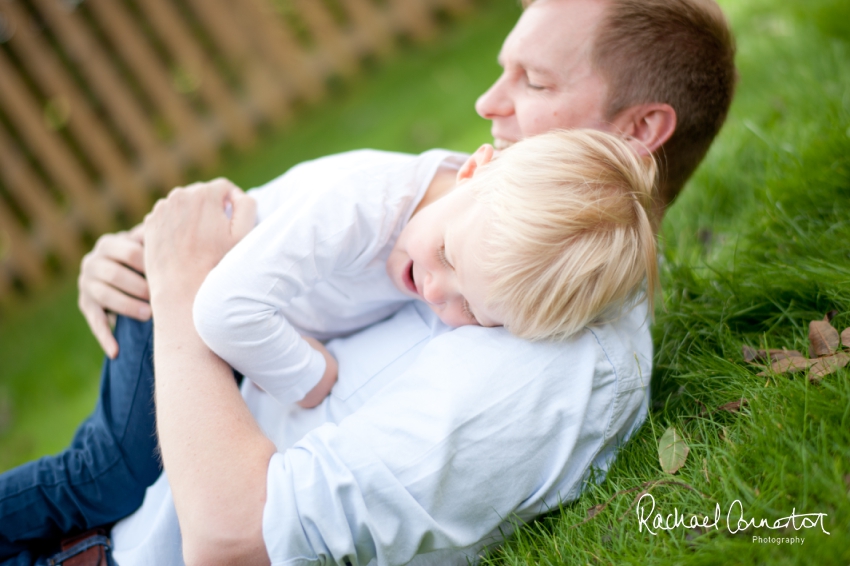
(552, 33)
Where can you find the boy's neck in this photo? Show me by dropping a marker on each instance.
(442, 184)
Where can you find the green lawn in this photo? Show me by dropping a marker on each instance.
(758, 245)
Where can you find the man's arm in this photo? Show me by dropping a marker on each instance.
(215, 455)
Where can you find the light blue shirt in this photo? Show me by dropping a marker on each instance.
(431, 441)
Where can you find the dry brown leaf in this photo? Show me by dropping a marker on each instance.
(827, 365)
(776, 355)
(753, 356)
(823, 338)
(733, 406)
(845, 338)
(791, 364)
(593, 511)
(830, 315)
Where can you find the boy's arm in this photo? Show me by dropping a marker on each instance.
(239, 311)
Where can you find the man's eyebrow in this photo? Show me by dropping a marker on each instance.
(537, 70)
(528, 67)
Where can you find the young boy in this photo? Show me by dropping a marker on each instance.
(549, 237)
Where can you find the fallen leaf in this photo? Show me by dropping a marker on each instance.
(733, 406)
(827, 365)
(830, 315)
(751, 355)
(672, 451)
(845, 338)
(823, 338)
(777, 355)
(593, 511)
(791, 364)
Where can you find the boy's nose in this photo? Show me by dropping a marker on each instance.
(433, 291)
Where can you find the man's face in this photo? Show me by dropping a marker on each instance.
(548, 81)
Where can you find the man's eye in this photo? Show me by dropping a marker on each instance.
(441, 255)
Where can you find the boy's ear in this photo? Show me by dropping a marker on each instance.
(482, 155)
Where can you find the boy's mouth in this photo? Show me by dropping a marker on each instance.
(409, 281)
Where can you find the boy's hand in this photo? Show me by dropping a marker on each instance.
(323, 388)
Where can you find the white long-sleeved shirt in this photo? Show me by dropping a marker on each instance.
(430, 442)
(315, 264)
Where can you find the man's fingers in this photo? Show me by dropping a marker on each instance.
(120, 277)
(99, 324)
(137, 234)
(111, 299)
(120, 248)
(244, 213)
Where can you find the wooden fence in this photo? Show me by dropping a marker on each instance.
(105, 104)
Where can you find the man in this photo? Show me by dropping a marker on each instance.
(382, 471)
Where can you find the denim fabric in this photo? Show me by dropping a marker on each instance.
(103, 475)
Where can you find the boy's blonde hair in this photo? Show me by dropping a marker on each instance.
(571, 237)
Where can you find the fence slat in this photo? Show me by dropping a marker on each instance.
(55, 82)
(52, 153)
(6, 291)
(155, 79)
(456, 7)
(265, 91)
(414, 17)
(32, 197)
(278, 45)
(330, 40)
(19, 252)
(371, 26)
(185, 49)
(113, 93)
(104, 100)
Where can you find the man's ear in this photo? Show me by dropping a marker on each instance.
(646, 126)
(482, 155)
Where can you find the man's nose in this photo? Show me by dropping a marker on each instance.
(495, 101)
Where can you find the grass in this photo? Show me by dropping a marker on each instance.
(758, 245)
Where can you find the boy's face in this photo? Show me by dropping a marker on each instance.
(435, 259)
(548, 80)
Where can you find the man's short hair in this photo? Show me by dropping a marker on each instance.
(677, 52)
(570, 236)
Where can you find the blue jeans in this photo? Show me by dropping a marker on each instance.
(102, 476)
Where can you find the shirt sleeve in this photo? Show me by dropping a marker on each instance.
(239, 311)
(484, 428)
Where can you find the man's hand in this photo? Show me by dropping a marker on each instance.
(200, 413)
(188, 233)
(112, 279)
